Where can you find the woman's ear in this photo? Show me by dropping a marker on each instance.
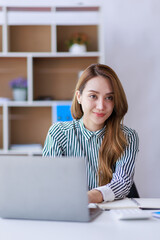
(78, 95)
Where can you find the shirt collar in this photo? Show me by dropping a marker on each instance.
(88, 134)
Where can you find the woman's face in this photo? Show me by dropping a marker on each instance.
(97, 101)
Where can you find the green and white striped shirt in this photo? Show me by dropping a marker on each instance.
(73, 139)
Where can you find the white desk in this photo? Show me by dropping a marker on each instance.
(103, 227)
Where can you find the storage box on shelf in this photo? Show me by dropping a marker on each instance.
(33, 45)
(61, 111)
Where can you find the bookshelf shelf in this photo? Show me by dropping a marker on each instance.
(33, 45)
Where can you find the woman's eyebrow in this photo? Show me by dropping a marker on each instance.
(98, 92)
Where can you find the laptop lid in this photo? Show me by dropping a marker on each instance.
(41, 188)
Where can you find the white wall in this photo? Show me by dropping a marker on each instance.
(132, 49)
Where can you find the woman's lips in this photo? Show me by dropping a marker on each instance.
(99, 114)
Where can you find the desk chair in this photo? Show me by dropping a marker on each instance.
(133, 192)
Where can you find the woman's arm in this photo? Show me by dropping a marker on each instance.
(95, 196)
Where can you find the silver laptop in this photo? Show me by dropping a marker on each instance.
(41, 188)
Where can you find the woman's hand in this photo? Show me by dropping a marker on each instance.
(95, 196)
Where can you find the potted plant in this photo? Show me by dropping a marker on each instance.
(19, 87)
(78, 43)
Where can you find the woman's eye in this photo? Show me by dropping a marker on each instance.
(110, 98)
(93, 96)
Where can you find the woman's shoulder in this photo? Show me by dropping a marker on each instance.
(64, 126)
(128, 130)
(131, 134)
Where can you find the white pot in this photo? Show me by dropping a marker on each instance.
(19, 94)
(78, 48)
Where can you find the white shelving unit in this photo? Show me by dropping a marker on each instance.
(32, 45)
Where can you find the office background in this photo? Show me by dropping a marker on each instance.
(132, 39)
(132, 48)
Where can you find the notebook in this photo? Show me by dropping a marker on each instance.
(44, 188)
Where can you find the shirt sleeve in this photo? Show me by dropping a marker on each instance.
(55, 142)
(122, 179)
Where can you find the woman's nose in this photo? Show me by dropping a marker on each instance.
(100, 104)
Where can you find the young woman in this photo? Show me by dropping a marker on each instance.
(98, 134)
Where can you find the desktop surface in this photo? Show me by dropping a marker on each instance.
(103, 227)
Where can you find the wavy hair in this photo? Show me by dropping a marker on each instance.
(114, 141)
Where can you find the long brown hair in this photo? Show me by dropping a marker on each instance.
(114, 141)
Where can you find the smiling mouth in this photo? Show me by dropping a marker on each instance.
(99, 114)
